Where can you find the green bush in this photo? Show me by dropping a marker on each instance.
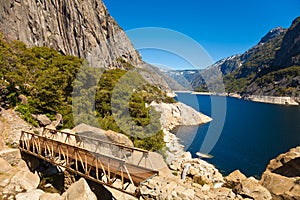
(49, 79)
(27, 111)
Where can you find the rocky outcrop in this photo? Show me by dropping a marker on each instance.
(72, 27)
(118, 138)
(98, 133)
(79, 191)
(246, 187)
(16, 177)
(42, 119)
(50, 196)
(282, 176)
(197, 169)
(102, 135)
(13, 124)
(179, 114)
(173, 188)
(250, 188)
(289, 53)
(234, 179)
(30, 195)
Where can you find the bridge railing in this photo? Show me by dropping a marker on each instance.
(132, 155)
(99, 168)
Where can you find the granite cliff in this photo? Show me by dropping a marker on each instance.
(72, 27)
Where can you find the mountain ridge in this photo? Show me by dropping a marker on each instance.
(270, 68)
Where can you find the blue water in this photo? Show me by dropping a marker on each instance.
(252, 133)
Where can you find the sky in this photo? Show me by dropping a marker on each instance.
(222, 27)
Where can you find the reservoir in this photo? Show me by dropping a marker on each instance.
(243, 135)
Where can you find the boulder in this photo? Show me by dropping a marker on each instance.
(101, 135)
(12, 156)
(281, 185)
(233, 179)
(6, 173)
(286, 164)
(23, 181)
(79, 190)
(23, 99)
(5, 166)
(118, 138)
(90, 131)
(223, 193)
(30, 195)
(252, 189)
(58, 121)
(42, 119)
(50, 196)
(187, 194)
(282, 175)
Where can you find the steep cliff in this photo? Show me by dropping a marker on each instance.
(72, 27)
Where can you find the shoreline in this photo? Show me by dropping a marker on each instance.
(284, 100)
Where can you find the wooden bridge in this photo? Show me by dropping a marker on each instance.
(110, 164)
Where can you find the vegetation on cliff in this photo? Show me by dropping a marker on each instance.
(42, 74)
(47, 79)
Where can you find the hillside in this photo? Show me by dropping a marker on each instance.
(80, 28)
(270, 68)
(72, 27)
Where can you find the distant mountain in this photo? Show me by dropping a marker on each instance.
(270, 68)
(183, 78)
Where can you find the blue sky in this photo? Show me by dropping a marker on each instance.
(222, 27)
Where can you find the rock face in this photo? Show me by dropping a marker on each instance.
(251, 188)
(282, 176)
(72, 27)
(15, 177)
(234, 179)
(42, 119)
(118, 138)
(162, 188)
(110, 136)
(288, 54)
(176, 114)
(100, 134)
(12, 126)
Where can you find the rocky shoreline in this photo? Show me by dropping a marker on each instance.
(284, 100)
(184, 178)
